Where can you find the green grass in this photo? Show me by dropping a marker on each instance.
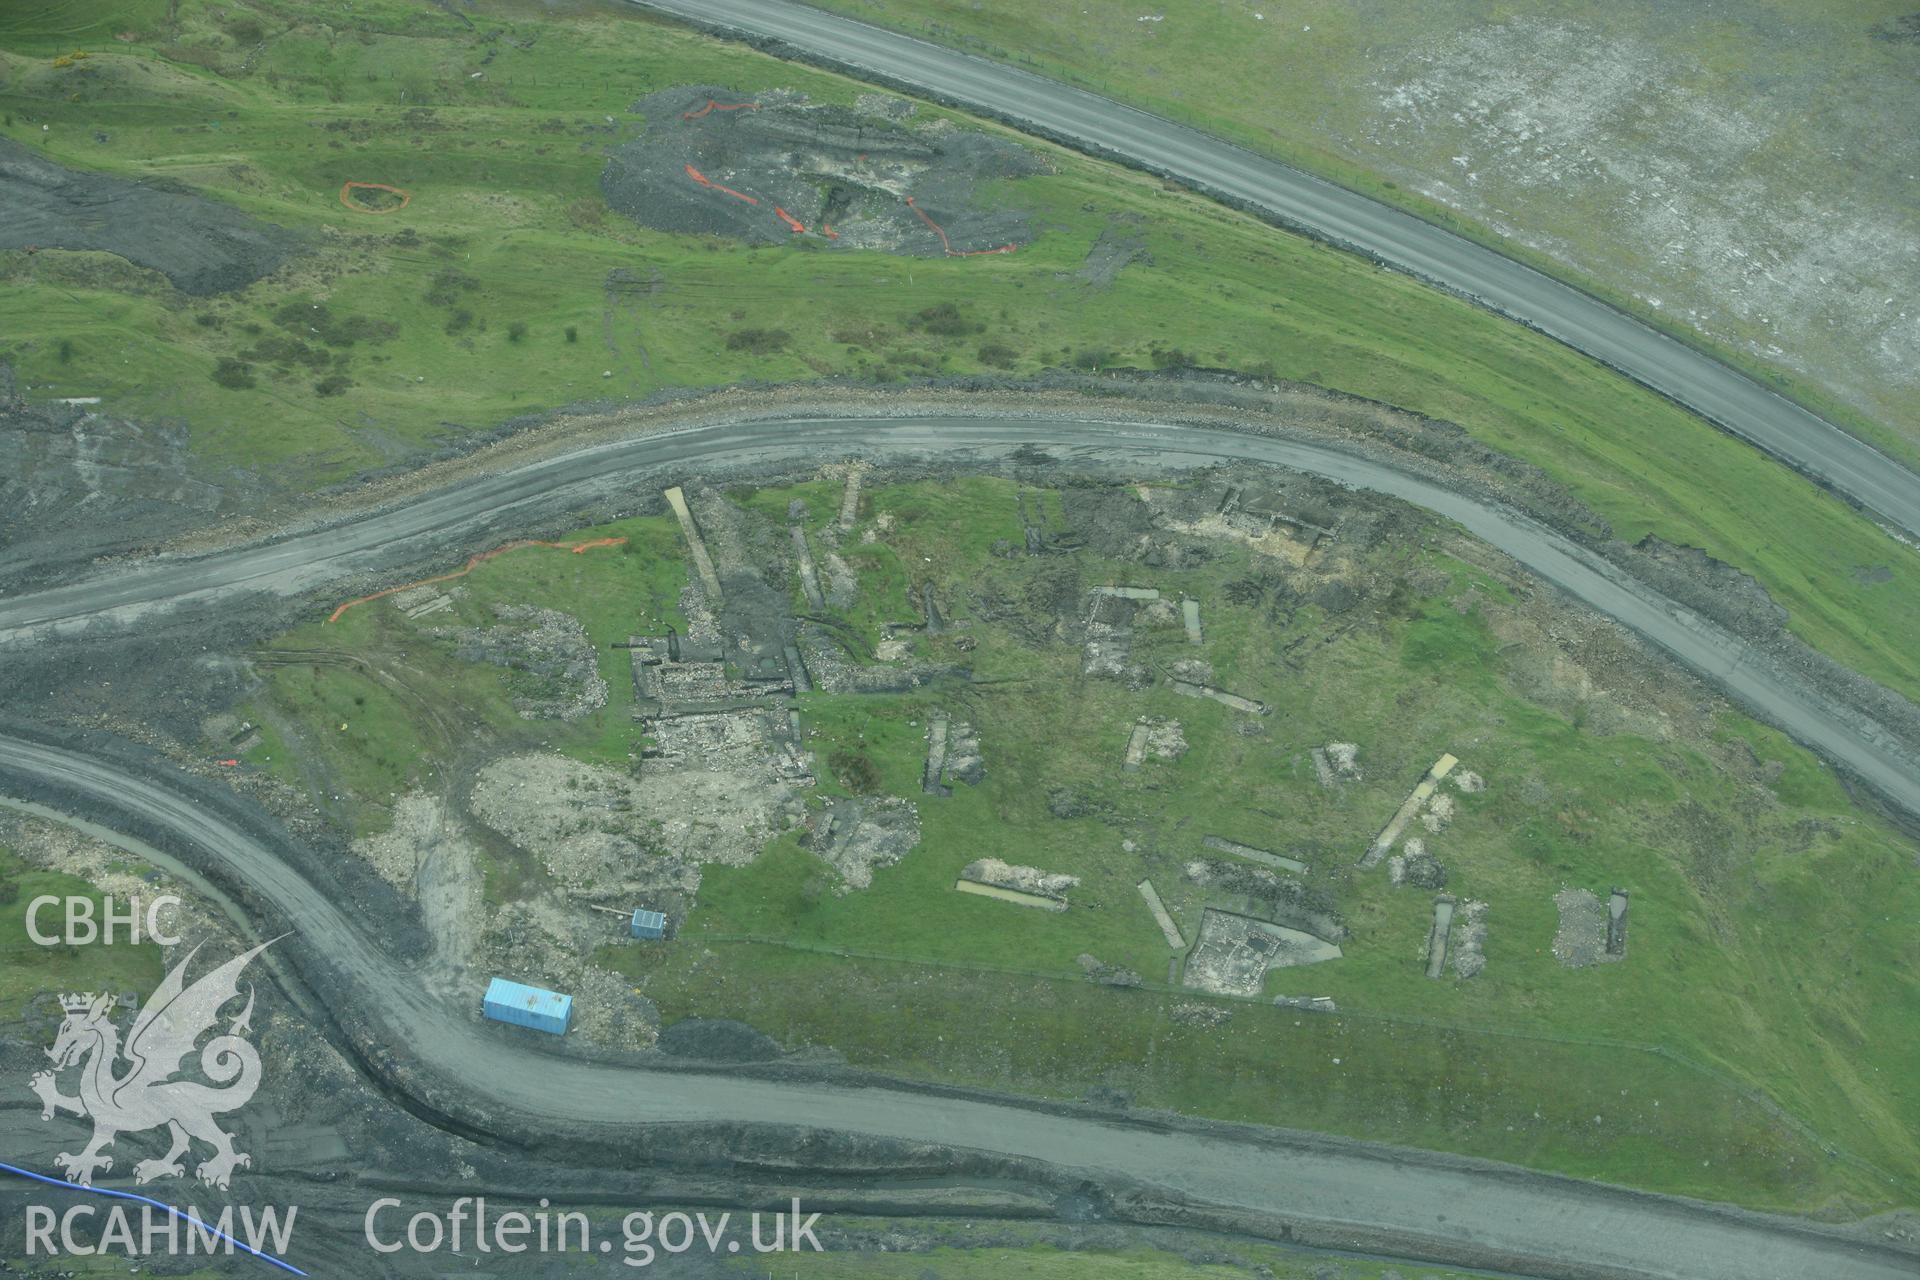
(1822, 1030)
(504, 173)
(1322, 70)
(1721, 837)
(29, 970)
(370, 733)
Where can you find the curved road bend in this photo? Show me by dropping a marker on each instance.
(486, 504)
(1558, 1226)
(1733, 401)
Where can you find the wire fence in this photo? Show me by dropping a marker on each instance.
(1713, 1074)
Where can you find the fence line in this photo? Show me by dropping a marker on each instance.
(1717, 1076)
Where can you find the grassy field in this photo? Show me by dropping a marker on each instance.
(29, 970)
(1691, 168)
(1720, 830)
(419, 344)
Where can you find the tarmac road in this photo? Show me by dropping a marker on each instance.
(489, 505)
(1725, 397)
(1407, 1203)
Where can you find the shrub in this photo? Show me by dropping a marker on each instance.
(517, 331)
(856, 771)
(1092, 358)
(946, 320)
(573, 333)
(587, 213)
(332, 385)
(998, 355)
(460, 321)
(335, 331)
(287, 352)
(65, 351)
(759, 342)
(9, 892)
(235, 375)
(449, 285)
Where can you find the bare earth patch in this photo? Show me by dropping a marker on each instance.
(1701, 176)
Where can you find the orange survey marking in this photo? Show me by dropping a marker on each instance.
(576, 547)
(713, 106)
(948, 244)
(793, 224)
(705, 181)
(406, 197)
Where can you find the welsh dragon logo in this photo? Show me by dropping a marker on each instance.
(146, 1092)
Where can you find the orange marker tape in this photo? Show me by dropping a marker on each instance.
(948, 244)
(406, 197)
(475, 563)
(793, 224)
(713, 106)
(705, 181)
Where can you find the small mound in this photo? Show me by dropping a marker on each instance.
(717, 1040)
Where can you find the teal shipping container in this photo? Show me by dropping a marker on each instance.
(525, 1006)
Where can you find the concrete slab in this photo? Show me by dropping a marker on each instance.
(936, 757)
(809, 572)
(1408, 808)
(1252, 854)
(1617, 923)
(702, 562)
(1251, 706)
(1437, 935)
(1009, 895)
(1161, 916)
(850, 496)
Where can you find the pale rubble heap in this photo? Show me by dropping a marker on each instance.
(583, 818)
(1007, 875)
(1469, 953)
(1345, 758)
(856, 837)
(1165, 739)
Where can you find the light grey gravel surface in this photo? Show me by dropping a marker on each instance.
(1735, 402)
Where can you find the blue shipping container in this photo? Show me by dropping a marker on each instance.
(649, 924)
(525, 1006)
